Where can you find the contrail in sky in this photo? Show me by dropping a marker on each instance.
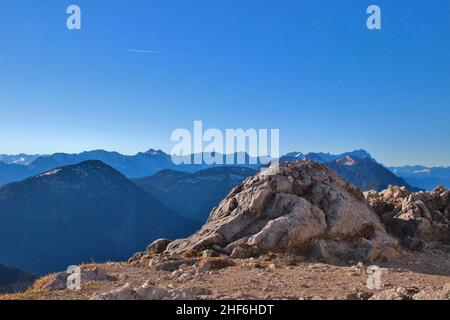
(147, 51)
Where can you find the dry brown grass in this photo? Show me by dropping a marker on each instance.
(32, 292)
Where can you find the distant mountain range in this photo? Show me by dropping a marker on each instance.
(367, 174)
(80, 213)
(363, 170)
(139, 165)
(321, 157)
(24, 159)
(73, 208)
(194, 195)
(142, 164)
(357, 167)
(426, 178)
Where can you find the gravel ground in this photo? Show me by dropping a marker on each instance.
(269, 277)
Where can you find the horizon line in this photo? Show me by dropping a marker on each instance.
(257, 156)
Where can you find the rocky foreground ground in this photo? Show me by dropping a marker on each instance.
(301, 232)
(269, 277)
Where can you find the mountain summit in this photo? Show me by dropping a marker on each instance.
(366, 173)
(357, 167)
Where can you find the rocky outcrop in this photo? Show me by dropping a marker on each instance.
(302, 208)
(158, 246)
(419, 219)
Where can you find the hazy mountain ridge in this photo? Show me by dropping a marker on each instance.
(194, 195)
(138, 165)
(22, 158)
(321, 157)
(145, 164)
(424, 177)
(357, 167)
(80, 213)
(367, 174)
(13, 172)
(142, 164)
(14, 280)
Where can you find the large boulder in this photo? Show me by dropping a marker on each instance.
(158, 246)
(418, 219)
(302, 208)
(155, 248)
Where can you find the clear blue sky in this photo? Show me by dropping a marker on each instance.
(310, 68)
